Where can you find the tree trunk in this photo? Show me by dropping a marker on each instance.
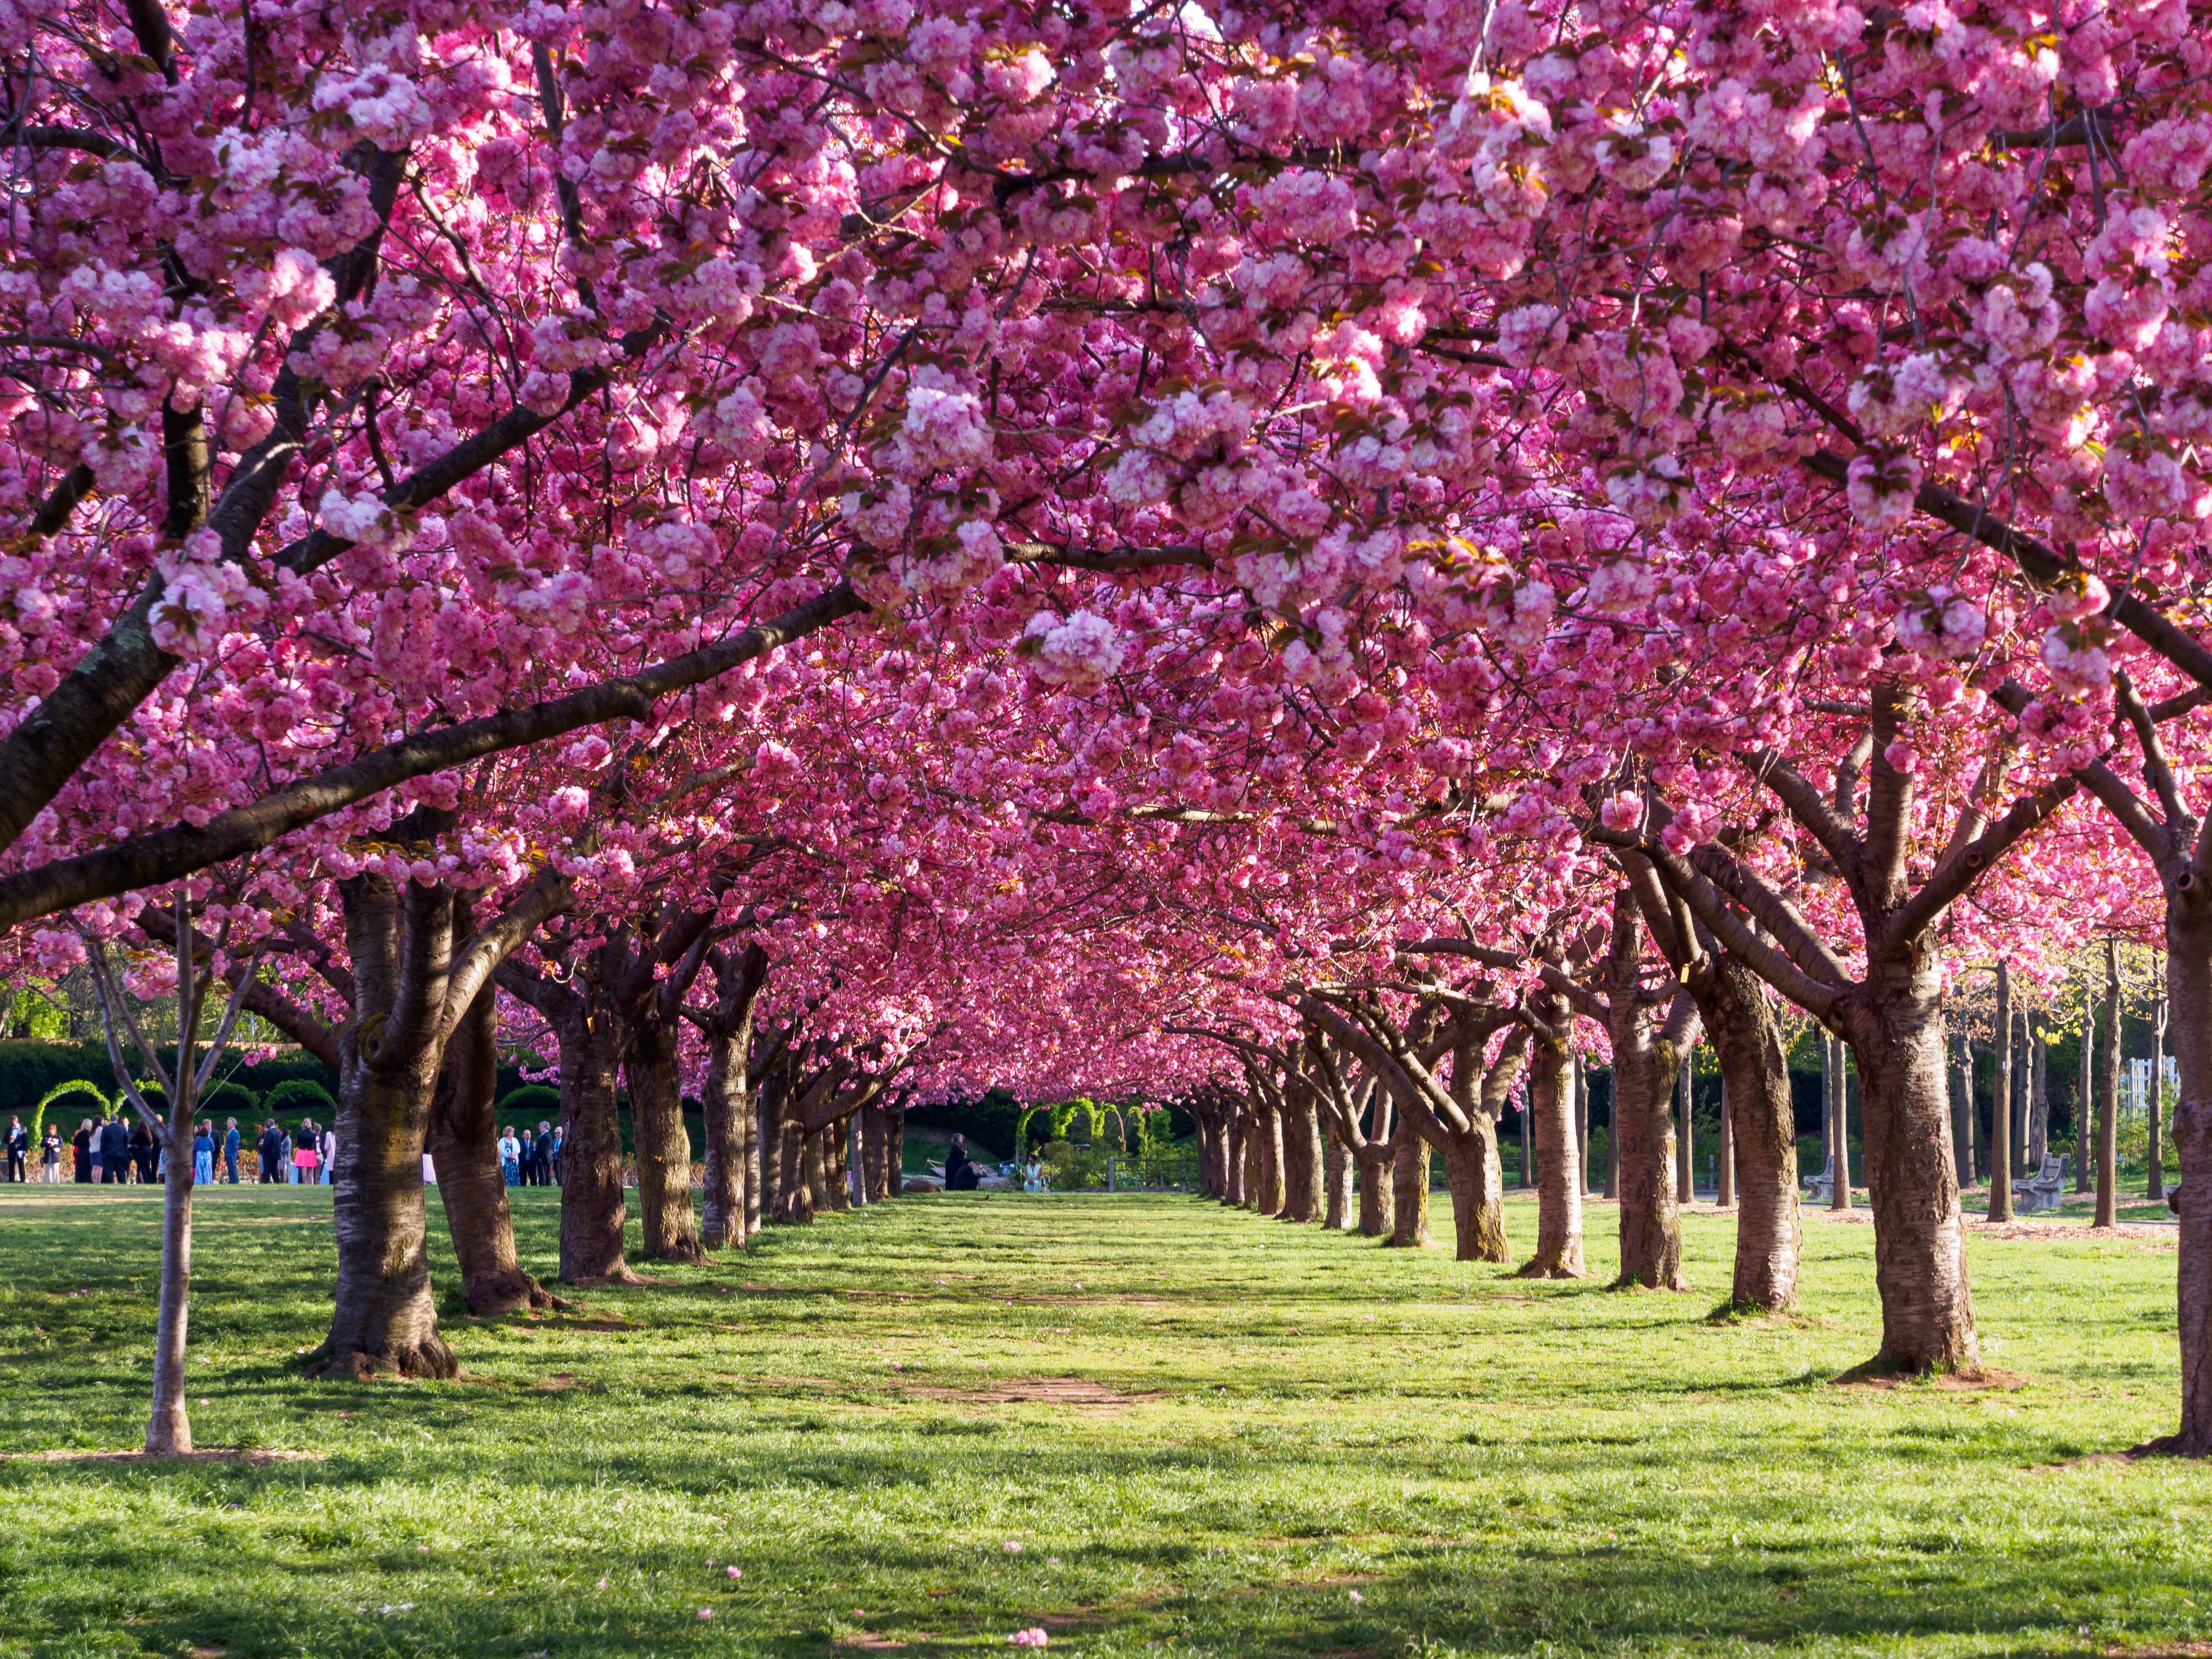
(1724, 1186)
(1840, 1196)
(1559, 1192)
(2108, 1109)
(1527, 1148)
(169, 1429)
(1578, 1080)
(1760, 1131)
(814, 1176)
(1268, 1198)
(837, 1164)
(1232, 1156)
(1962, 1115)
(1686, 1183)
(1336, 1166)
(2000, 1106)
(464, 1144)
(670, 1225)
(1302, 1156)
(1378, 1214)
(1409, 1181)
(2038, 1097)
(1477, 1179)
(726, 1097)
(2154, 1105)
(1896, 1030)
(767, 1130)
(895, 1146)
(2085, 1097)
(592, 1207)
(2189, 987)
(384, 1320)
(1645, 1072)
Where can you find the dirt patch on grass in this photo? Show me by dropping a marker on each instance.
(554, 1383)
(1990, 1379)
(1073, 1391)
(2144, 1235)
(257, 1456)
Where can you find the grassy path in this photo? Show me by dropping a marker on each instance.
(1208, 1434)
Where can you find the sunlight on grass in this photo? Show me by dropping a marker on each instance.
(1206, 1433)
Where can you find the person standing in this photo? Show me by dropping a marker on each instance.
(115, 1148)
(142, 1152)
(510, 1156)
(291, 1175)
(330, 1145)
(50, 1156)
(544, 1150)
(554, 1158)
(271, 1150)
(306, 1152)
(81, 1144)
(230, 1149)
(19, 1148)
(202, 1155)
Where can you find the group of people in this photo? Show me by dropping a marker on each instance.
(531, 1160)
(304, 1159)
(108, 1151)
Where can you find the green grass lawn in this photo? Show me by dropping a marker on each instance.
(1240, 1438)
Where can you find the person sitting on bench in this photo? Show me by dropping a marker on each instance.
(959, 1168)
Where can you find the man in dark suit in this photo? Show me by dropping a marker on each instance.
(272, 1153)
(542, 1153)
(115, 1147)
(19, 1147)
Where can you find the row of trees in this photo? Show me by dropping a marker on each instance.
(1098, 548)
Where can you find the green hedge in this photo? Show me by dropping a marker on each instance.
(300, 1095)
(28, 1069)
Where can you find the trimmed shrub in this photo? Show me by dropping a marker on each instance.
(299, 1095)
(532, 1100)
(232, 1100)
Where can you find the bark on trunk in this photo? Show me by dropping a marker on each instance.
(669, 1224)
(1559, 1172)
(2000, 1141)
(1302, 1156)
(814, 1175)
(1686, 1183)
(1268, 1199)
(1377, 1208)
(2108, 1109)
(768, 1125)
(2153, 1108)
(1962, 1115)
(1477, 1181)
(1761, 1130)
(592, 1207)
(1336, 1165)
(1643, 1072)
(1232, 1158)
(2189, 985)
(1896, 1032)
(169, 1429)
(464, 1144)
(2085, 1098)
(384, 1320)
(895, 1146)
(1724, 1188)
(727, 1100)
(1409, 1181)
